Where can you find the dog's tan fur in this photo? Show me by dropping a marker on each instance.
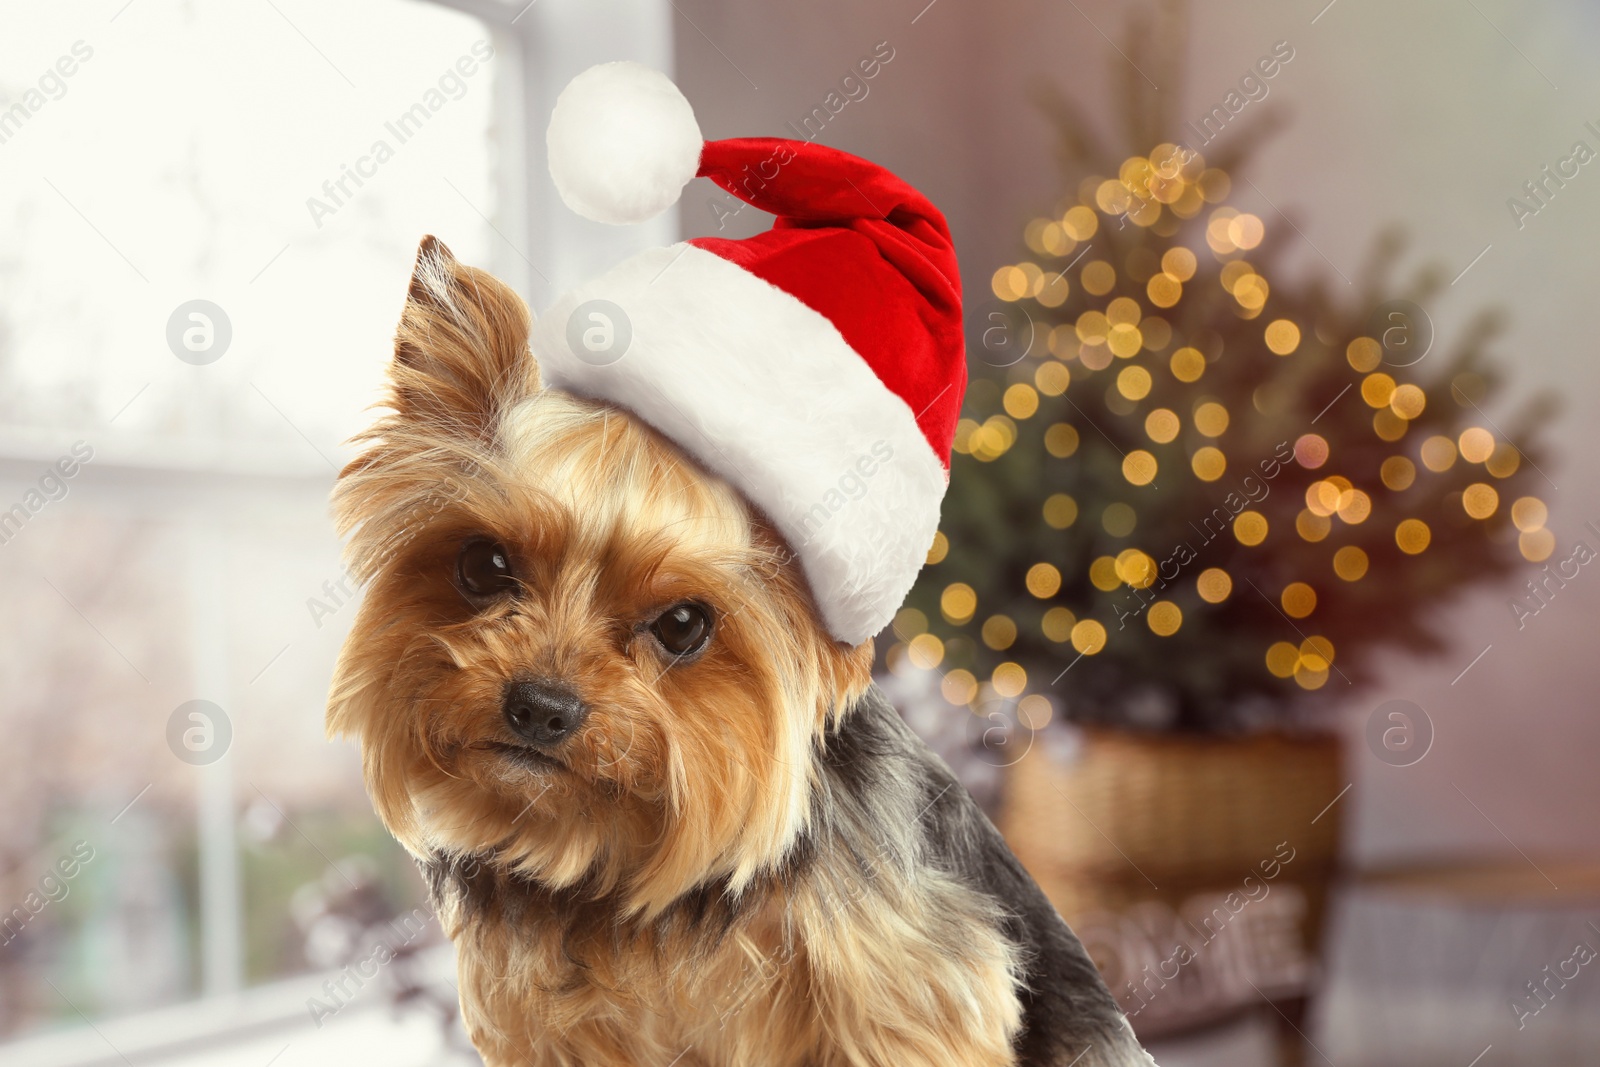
(582, 949)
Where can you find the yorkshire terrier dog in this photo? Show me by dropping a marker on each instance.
(603, 698)
(665, 817)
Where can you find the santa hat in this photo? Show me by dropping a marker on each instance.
(818, 367)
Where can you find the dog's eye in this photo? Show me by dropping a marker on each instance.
(484, 568)
(683, 629)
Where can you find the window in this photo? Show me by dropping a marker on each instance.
(209, 212)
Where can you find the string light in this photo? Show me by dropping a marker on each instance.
(1298, 599)
(1529, 513)
(1408, 402)
(925, 651)
(1316, 653)
(1480, 500)
(1354, 506)
(1282, 336)
(1136, 568)
(1133, 383)
(1098, 277)
(1214, 585)
(1397, 473)
(1139, 467)
(1035, 711)
(1119, 519)
(1389, 426)
(999, 632)
(1476, 444)
(1164, 618)
(1088, 637)
(1009, 679)
(1179, 263)
(1246, 231)
(1020, 401)
(1052, 378)
(908, 623)
(1377, 390)
(1350, 563)
(1161, 426)
(1060, 511)
(1103, 574)
(1061, 440)
(1311, 525)
(1413, 536)
(959, 687)
(958, 602)
(1311, 451)
(1057, 624)
(1282, 659)
(1188, 364)
(1080, 223)
(1164, 290)
(1504, 461)
(1364, 354)
(1438, 453)
(1536, 545)
(1043, 580)
(1211, 419)
(1209, 464)
(1250, 527)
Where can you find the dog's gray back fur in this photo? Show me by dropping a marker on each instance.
(886, 797)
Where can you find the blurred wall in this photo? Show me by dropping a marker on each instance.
(1430, 114)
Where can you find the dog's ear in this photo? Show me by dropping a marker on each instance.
(461, 353)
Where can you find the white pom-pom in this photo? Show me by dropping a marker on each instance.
(623, 142)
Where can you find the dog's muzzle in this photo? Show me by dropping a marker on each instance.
(543, 713)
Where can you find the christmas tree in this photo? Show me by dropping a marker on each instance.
(1189, 493)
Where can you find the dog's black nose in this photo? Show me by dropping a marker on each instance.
(543, 713)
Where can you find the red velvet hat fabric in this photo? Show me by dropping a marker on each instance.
(862, 248)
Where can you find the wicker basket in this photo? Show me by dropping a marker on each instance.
(1126, 824)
